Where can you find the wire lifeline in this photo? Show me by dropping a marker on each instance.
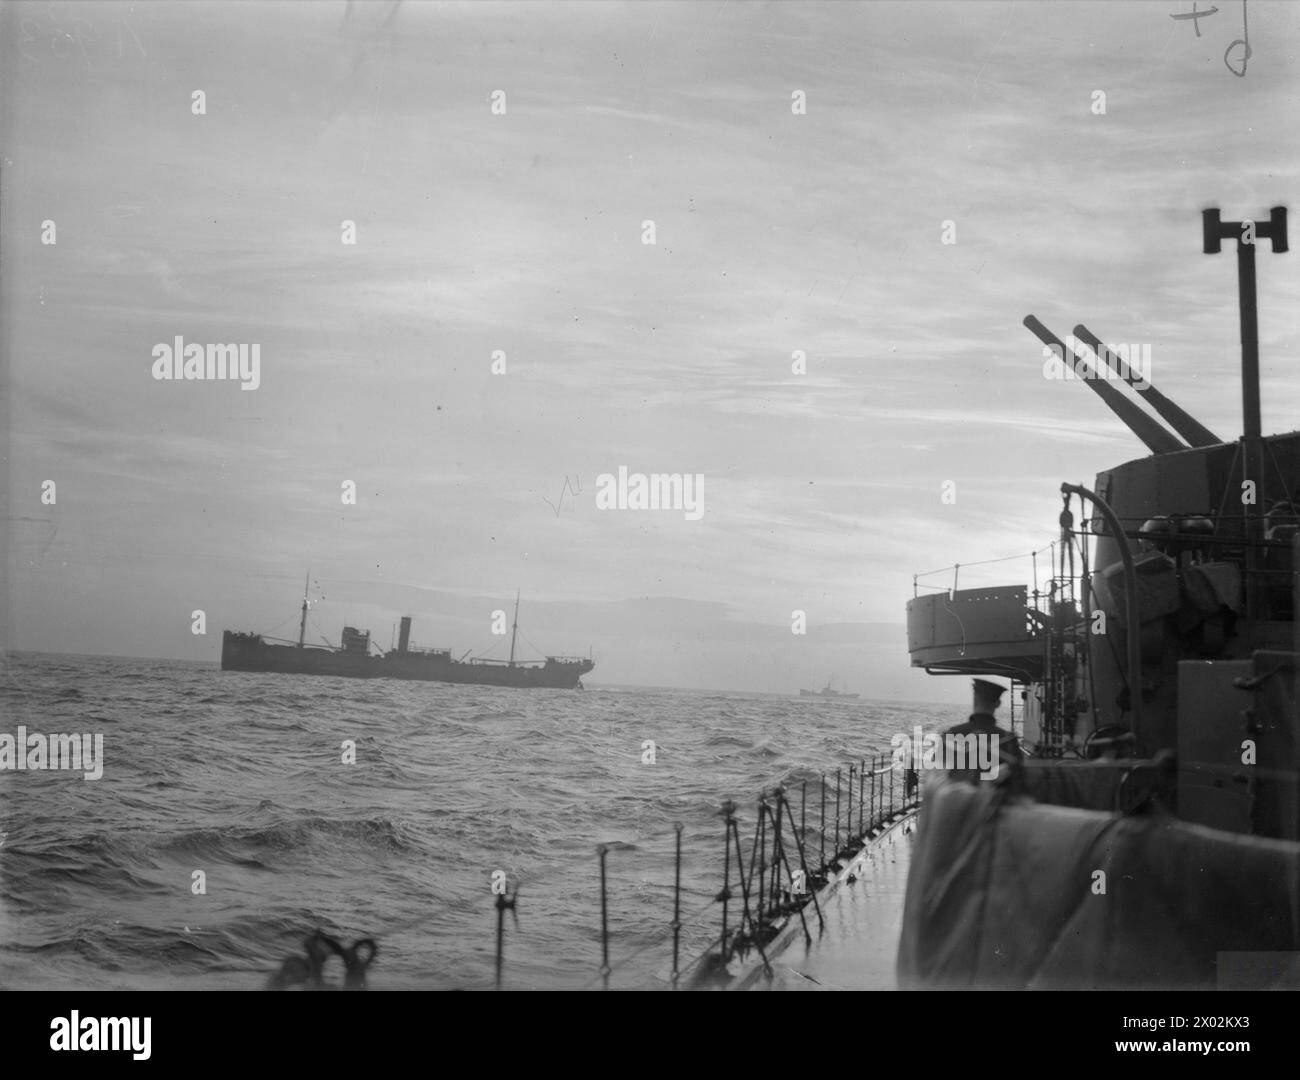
(982, 562)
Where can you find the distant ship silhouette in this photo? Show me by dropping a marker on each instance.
(353, 660)
(827, 692)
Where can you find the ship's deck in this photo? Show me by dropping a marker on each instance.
(857, 948)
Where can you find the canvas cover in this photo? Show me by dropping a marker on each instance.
(1013, 893)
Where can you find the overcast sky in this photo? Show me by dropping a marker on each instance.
(477, 231)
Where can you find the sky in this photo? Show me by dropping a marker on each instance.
(802, 165)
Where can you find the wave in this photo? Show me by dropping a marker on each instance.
(241, 845)
(730, 740)
(242, 779)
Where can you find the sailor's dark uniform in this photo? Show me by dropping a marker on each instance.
(1009, 756)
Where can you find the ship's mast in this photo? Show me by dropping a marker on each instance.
(514, 630)
(302, 626)
(1214, 231)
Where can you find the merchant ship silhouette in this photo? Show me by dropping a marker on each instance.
(353, 659)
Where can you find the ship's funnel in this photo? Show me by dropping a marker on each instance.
(404, 638)
(1182, 422)
(1158, 439)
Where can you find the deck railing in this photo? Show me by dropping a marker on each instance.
(782, 876)
(768, 879)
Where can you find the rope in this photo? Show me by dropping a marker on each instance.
(489, 652)
(982, 562)
(321, 632)
(529, 642)
(268, 633)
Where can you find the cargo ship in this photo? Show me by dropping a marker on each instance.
(353, 659)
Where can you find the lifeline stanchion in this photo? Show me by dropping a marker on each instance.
(803, 810)
(745, 877)
(821, 831)
(760, 922)
(836, 855)
(881, 766)
(601, 850)
(862, 790)
(504, 901)
(891, 792)
(880, 773)
(749, 929)
(862, 786)
(803, 866)
(677, 905)
(768, 899)
(728, 813)
(780, 858)
(779, 847)
(848, 833)
(873, 795)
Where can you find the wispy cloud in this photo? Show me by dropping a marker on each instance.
(777, 233)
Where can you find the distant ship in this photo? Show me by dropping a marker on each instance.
(353, 660)
(827, 692)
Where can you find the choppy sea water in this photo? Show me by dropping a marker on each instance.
(241, 776)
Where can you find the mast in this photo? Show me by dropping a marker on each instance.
(514, 630)
(1214, 232)
(302, 626)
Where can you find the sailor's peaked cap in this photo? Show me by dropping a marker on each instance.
(983, 686)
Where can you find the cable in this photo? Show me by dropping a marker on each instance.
(529, 641)
(982, 562)
(322, 633)
(268, 633)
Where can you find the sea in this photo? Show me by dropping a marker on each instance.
(232, 820)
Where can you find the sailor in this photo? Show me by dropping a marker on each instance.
(987, 696)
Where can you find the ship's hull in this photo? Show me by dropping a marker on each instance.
(248, 652)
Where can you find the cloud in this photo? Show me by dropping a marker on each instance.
(521, 233)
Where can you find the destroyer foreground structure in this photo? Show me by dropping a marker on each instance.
(254, 652)
(1152, 838)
